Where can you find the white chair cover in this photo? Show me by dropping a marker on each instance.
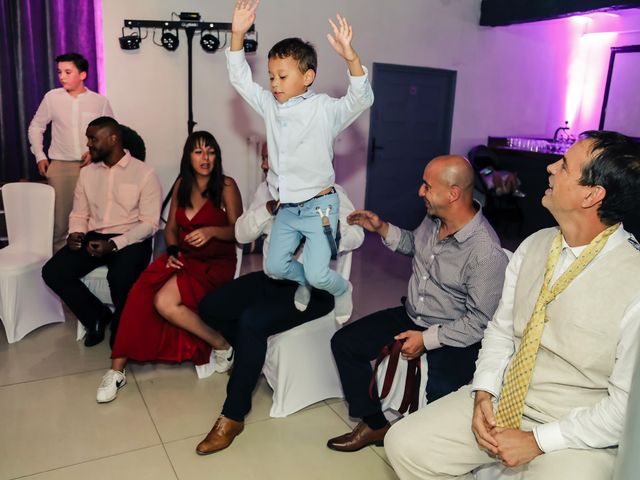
(96, 281)
(299, 365)
(26, 303)
(391, 403)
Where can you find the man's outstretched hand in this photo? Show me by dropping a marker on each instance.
(369, 221)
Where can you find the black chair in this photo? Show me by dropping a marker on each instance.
(501, 210)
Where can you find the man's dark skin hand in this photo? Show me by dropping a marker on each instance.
(74, 240)
(98, 248)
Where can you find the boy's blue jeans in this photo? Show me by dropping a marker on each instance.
(294, 222)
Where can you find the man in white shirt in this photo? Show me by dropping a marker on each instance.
(69, 110)
(253, 307)
(116, 211)
(582, 280)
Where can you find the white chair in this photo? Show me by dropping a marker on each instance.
(96, 281)
(392, 402)
(207, 369)
(299, 365)
(26, 303)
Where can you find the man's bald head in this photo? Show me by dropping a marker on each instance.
(454, 170)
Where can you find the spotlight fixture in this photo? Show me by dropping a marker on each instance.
(209, 42)
(189, 16)
(169, 40)
(130, 42)
(250, 44)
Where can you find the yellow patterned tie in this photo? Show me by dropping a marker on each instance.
(516, 385)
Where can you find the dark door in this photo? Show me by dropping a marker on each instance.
(410, 124)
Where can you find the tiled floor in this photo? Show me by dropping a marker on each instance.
(52, 428)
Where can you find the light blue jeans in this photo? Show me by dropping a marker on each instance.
(294, 222)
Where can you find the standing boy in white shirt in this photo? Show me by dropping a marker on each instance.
(69, 110)
(301, 127)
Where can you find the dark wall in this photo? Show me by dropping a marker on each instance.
(505, 12)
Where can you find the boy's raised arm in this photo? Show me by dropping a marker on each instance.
(341, 43)
(244, 15)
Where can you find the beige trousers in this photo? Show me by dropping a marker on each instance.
(436, 442)
(62, 175)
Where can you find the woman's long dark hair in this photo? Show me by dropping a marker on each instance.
(187, 176)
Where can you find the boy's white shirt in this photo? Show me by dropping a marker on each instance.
(301, 131)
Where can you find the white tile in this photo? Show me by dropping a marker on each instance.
(50, 351)
(56, 422)
(281, 449)
(182, 405)
(145, 464)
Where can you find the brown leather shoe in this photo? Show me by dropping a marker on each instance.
(361, 436)
(220, 436)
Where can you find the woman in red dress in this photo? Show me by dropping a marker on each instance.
(159, 320)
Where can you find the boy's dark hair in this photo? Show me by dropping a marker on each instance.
(614, 165)
(108, 122)
(187, 176)
(296, 48)
(81, 63)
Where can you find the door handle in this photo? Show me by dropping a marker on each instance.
(374, 148)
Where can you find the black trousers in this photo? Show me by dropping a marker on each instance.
(357, 344)
(247, 312)
(62, 273)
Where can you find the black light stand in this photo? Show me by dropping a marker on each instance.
(189, 22)
(190, 28)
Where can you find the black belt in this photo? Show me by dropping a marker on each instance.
(300, 204)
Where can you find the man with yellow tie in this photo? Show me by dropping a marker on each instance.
(549, 395)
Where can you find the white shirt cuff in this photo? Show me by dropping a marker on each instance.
(392, 240)
(235, 57)
(430, 337)
(356, 80)
(486, 382)
(263, 215)
(549, 437)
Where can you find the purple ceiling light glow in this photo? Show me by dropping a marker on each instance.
(587, 67)
(97, 19)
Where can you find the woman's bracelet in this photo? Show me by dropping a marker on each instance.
(173, 250)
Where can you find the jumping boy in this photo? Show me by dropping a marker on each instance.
(301, 128)
(69, 110)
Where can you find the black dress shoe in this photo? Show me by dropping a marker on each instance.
(361, 436)
(95, 334)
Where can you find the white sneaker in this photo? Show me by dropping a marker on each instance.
(302, 297)
(112, 381)
(224, 360)
(344, 305)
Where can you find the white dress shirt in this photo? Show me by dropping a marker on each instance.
(69, 117)
(257, 220)
(597, 426)
(301, 131)
(124, 199)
